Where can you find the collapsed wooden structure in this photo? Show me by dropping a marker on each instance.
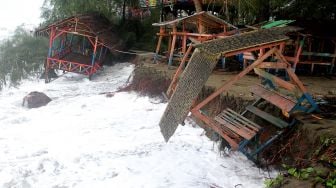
(78, 44)
(236, 128)
(198, 28)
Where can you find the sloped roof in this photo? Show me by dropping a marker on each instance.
(246, 40)
(207, 19)
(90, 25)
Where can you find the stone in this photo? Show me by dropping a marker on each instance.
(35, 99)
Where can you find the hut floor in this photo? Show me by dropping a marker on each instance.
(78, 58)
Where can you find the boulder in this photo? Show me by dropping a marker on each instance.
(35, 99)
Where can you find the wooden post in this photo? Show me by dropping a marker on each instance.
(169, 44)
(298, 53)
(233, 80)
(282, 47)
(159, 43)
(184, 42)
(171, 55)
(281, 57)
(93, 57)
(261, 52)
(309, 40)
(296, 80)
(333, 59)
(100, 52)
(51, 41)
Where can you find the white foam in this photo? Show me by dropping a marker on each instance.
(84, 139)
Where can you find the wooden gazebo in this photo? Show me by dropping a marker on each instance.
(198, 27)
(78, 43)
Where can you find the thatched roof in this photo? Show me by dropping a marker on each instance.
(246, 40)
(207, 20)
(90, 25)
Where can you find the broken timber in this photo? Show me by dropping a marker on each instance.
(236, 129)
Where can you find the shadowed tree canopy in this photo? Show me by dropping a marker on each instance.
(53, 10)
(255, 11)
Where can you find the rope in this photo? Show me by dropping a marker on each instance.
(134, 53)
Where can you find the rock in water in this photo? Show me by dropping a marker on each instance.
(35, 99)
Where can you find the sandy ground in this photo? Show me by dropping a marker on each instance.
(315, 85)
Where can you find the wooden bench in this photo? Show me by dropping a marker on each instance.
(268, 117)
(237, 124)
(283, 102)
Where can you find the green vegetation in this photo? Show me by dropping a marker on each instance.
(269, 183)
(306, 174)
(321, 170)
(21, 56)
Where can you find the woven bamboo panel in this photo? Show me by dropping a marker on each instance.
(190, 85)
(246, 40)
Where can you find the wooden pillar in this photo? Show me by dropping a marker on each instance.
(171, 55)
(51, 41)
(261, 52)
(184, 42)
(93, 57)
(100, 52)
(296, 80)
(309, 40)
(282, 47)
(333, 59)
(169, 44)
(159, 43)
(298, 53)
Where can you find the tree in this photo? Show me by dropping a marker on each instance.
(21, 56)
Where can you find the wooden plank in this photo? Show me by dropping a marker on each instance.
(234, 79)
(266, 116)
(281, 57)
(274, 98)
(276, 80)
(273, 65)
(235, 121)
(296, 80)
(235, 129)
(319, 54)
(254, 126)
(315, 62)
(253, 48)
(226, 135)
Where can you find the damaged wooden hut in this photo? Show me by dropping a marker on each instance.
(289, 95)
(79, 44)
